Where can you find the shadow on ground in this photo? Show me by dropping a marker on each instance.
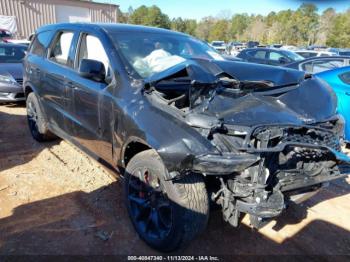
(16, 144)
(97, 223)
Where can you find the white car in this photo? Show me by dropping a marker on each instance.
(313, 53)
(219, 46)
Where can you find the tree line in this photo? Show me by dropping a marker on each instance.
(302, 27)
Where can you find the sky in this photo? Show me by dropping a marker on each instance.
(197, 9)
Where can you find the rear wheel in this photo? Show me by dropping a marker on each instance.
(166, 214)
(36, 121)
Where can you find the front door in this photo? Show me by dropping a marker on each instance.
(89, 100)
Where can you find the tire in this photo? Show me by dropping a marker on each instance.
(182, 206)
(36, 121)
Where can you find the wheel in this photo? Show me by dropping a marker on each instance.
(36, 121)
(166, 214)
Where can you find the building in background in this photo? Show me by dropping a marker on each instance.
(28, 15)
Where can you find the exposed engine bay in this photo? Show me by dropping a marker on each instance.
(272, 146)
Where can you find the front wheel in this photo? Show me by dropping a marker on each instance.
(166, 214)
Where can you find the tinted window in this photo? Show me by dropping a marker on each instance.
(275, 56)
(257, 54)
(345, 77)
(61, 47)
(40, 43)
(12, 54)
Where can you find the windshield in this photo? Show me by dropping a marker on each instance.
(293, 56)
(12, 54)
(150, 53)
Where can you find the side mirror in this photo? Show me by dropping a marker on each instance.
(283, 60)
(92, 69)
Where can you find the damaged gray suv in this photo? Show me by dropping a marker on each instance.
(183, 126)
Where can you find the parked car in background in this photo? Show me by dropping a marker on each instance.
(233, 48)
(219, 46)
(5, 35)
(340, 51)
(269, 56)
(289, 47)
(320, 64)
(275, 46)
(182, 124)
(19, 41)
(11, 72)
(313, 53)
(339, 80)
(252, 44)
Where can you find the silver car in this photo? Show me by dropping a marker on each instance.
(11, 72)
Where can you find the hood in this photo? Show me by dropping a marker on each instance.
(268, 95)
(13, 69)
(297, 105)
(208, 70)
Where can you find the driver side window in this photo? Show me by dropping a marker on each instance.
(92, 48)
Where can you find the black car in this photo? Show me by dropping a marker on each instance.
(320, 64)
(183, 125)
(11, 72)
(269, 56)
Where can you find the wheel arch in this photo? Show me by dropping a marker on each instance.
(132, 147)
(28, 88)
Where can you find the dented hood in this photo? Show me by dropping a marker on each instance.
(307, 103)
(206, 71)
(289, 97)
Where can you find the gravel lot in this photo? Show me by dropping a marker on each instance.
(56, 200)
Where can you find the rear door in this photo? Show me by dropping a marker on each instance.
(58, 67)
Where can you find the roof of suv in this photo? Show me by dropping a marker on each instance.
(109, 27)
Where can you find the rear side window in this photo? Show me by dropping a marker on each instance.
(257, 54)
(40, 43)
(345, 77)
(61, 47)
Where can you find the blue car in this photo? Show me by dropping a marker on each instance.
(339, 80)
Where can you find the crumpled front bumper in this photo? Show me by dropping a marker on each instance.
(229, 163)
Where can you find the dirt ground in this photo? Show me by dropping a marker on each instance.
(56, 200)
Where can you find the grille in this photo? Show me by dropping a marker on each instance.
(19, 81)
(314, 137)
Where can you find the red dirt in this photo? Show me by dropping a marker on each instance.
(56, 200)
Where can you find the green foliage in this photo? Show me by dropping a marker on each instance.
(304, 26)
(339, 35)
(150, 16)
